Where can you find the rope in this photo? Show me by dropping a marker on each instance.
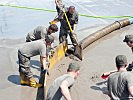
(47, 10)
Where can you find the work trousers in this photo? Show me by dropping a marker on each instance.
(24, 65)
(63, 36)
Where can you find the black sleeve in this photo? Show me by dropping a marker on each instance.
(76, 18)
(58, 10)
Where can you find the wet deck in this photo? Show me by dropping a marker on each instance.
(98, 57)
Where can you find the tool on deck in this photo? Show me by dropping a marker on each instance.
(106, 75)
(41, 93)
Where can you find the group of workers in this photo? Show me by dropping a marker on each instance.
(119, 84)
(38, 42)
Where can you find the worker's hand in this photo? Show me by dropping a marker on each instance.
(59, 3)
(73, 31)
(51, 52)
(44, 71)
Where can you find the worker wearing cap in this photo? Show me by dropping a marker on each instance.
(59, 90)
(64, 28)
(40, 32)
(120, 83)
(129, 41)
(28, 50)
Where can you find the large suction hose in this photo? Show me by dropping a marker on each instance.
(108, 29)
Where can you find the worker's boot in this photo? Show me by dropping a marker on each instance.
(28, 81)
(33, 83)
(23, 79)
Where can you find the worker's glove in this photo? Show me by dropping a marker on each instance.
(130, 67)
(54, 21)
(51, 52)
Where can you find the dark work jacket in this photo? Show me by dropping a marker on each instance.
(73, 19)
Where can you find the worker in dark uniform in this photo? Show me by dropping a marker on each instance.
(129, 41)
(64, 28)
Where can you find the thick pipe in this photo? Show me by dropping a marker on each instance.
(100, 33)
